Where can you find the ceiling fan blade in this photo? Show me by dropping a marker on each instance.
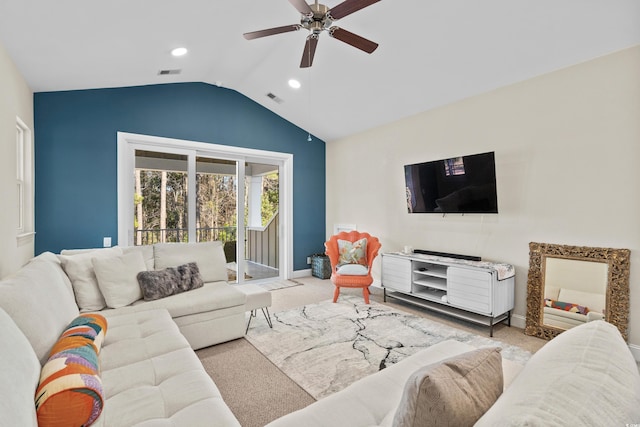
(271, 31)
(309, 51)
(353, 39)
(301, 6)
(347, 7)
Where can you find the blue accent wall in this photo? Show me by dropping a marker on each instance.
(76, 150)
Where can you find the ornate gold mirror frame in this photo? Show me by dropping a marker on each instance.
(617, 291)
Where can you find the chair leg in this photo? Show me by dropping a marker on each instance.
(365, 294)
(336, 294)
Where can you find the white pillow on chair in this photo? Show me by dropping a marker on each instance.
(353, 270)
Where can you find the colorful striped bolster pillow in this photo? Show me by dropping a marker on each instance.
(566, 306)
(70, 390)
(91, 326)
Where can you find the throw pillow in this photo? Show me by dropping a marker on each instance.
(170, 281)
(454, 392)
(79, 268)
(566, 306)
(117, 278)
(352, 252)
(91, 326)
(70, 390)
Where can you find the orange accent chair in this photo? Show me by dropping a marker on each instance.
(348, 280)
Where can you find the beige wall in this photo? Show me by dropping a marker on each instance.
(16, 99)
(568, 167)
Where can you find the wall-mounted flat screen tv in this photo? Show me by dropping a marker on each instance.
(465, 184)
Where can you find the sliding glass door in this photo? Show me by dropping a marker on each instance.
(184, 195)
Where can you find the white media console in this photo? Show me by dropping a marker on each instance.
(476, 291)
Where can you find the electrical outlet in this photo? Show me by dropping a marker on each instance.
(106, 242)
(309, 260)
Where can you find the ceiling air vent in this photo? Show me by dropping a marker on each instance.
(168, 72)
(275, 98)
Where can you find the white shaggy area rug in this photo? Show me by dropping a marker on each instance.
(325, 347)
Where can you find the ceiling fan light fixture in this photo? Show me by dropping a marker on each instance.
(317, 18)
(295, 84)
(179, 51)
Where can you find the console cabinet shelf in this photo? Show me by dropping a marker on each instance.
(462, 289)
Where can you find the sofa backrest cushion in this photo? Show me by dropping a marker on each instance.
(39, 302)
(51, 257)
(208, 255)
(19, 370)
(585, 376)
(79, 268)
(145, 250)
(116, 277)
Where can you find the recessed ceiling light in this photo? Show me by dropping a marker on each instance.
(294, 84)
(179, 51)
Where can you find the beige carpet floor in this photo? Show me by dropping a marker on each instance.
(254, 388)
(258, 392)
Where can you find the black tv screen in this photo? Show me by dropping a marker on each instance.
(465, 184)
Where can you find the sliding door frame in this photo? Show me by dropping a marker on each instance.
(129, 142)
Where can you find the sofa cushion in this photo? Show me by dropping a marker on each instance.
(170, 281)
(210, 297)
(601, 385)
(145, 250)
(39, 302)
(70, 390)
(116, 278)
(151, 376)
(455, 391)
(79, 268)
(19, 370)
(208, 255)
(51, 257)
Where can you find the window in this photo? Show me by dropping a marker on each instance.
(24, 181)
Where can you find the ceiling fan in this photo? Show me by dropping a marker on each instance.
(317, 18)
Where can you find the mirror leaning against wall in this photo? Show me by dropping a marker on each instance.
(571, 285)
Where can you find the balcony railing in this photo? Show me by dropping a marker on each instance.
(181, 235)
(261, 244)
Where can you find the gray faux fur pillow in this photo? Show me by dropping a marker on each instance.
(170, 281)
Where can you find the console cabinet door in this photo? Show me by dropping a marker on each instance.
(396, 273)
(470, 289)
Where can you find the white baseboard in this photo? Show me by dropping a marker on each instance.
(519, 321)
(301, 273)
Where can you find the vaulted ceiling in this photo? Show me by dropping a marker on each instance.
(431, 53)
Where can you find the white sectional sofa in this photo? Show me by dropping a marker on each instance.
(206, 316)
(586, 376)
(150, 375)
